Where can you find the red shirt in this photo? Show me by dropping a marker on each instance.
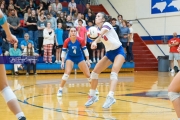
(173, 49)
(82, 32)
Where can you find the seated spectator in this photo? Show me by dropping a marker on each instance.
(72, 7)
(79, 18)
(48, 42)
(69, 22)
(21, 6)
(90, 17)
(46, 3)
(49, 10)
(26, 41)
(29, 51)
(32, 28)
(87, 9)
(61, 18)
(1, 53)
(57, 7)
(15, 51)
(42, 12)
(52, 20)
(31, 5)
(27, 14)
(5, 47)
(3, 7)
(14, 23)
(41, 24)
(41, 7)
(75, 16)
(10, 8)
(65, 32)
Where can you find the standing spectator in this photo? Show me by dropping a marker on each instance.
(81, 31)
(27, 15)
(69, 22)
(173, 53)
(57, 7)
(119, 21)
(61, 18)
(79, 18)
(65, 32)
(72, 7)
(21, 6)
(49, 10)
(130, 56)
(14, 23)
(59, 42)
(48, 43)
(25, 42)
(15, 51)
(52, 20)
(41, 7)
(32, 28)
(29, 51)
(124, 35)
(41, 24)
(115, 26)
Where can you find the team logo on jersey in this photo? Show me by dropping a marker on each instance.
(74, 49)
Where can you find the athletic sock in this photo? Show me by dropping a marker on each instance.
(92, 92)
(111, 94)
(19, 115)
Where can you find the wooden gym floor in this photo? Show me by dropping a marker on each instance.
(139, 96)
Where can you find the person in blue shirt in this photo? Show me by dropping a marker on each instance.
(25, 42)
(59, 42)
(15, 51)
(72, 54)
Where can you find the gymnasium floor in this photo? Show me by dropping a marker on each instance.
(139, 95)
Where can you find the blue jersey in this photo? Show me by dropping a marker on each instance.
(59, 36)
(74, 49)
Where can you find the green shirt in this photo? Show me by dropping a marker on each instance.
(14, 52)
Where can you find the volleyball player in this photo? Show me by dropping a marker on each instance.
(114, 54)
(6, 91)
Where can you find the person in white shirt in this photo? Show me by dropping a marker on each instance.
(78, 18)
(114, 55)
(72, 7)
(57, 7)
(130, 56)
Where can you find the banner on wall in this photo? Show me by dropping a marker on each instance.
(164, 6)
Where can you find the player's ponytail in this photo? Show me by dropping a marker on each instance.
(107, 18)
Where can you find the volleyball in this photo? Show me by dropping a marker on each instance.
(93, 33)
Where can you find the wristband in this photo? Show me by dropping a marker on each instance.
(3, 20)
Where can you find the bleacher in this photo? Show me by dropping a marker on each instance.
(55, 68)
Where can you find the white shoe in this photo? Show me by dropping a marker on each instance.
(94, 61)
(97, 92)
(91, 100)
(59, 61)
(172, 71)
(56, 61)
(59, 93)
(109, 101)
(90, 61)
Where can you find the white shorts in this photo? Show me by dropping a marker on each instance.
(174, 55)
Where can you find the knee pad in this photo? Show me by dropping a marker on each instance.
(94, 75)
(114, 76)
(65, 77)
(8, 94)
(173, 95)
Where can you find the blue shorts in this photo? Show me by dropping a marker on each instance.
(113, 53)
(75, 59)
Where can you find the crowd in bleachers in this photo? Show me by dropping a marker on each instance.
(41, 27)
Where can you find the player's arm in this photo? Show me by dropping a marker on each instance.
(64, 51)
(4, 24)
(102, 33)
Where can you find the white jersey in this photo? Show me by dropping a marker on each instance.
(110, 39)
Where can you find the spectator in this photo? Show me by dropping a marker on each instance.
(27, 15)
(59, 42)
(25, 42)
(52, 20)
(1, 53)
(5, 47)
(31, 5)
(46, 3)
(49, 10)
(32, 28)
(48, 43)
(69, 22)
(15, 51)
(124, 35)
(130, 56)
(79, 18)
(81, 31)
(75, 16)
(173, 53)
(87, 9)
(21, 6)
(3, 7)
(115, 26)
(90, 17)
(57, 7)
(61, 18)
(14, 23)
(42, 12)
(11, 7)
(41, 7)
(41, 25)
(29, 51)
(72, 7)
(119, 21)
(65, 32)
